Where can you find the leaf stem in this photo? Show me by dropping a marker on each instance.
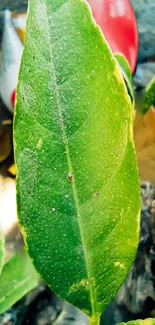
(95, 320)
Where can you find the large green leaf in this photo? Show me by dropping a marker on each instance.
(18, 277)
(147, 321)
(2, 249)
(77, 185)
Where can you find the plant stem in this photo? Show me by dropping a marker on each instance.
(95, 320)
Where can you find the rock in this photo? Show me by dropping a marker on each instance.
(145, 14)
(9, 317)
(144, 73)
(15, 5)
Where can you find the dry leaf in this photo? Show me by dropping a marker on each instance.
(145, 144)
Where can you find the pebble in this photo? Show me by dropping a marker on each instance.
(9, 317)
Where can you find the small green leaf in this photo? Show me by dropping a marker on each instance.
(17, 278)
(2, 249)
(147, 321)
(77, 180)
(148, 97)
(126, 72)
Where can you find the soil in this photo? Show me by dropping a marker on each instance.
(15, 5)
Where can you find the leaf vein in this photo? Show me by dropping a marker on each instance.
(59, 105)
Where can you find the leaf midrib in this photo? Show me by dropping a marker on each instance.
(58, 101)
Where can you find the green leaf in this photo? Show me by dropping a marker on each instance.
(148, 97)
(18, 277)
(77, 181)
(127, 75)
(147, 321)
(2, 249)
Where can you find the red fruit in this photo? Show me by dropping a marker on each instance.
(13, 98)
(117, 20)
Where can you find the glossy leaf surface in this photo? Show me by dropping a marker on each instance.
(77, 185)
(18, 277)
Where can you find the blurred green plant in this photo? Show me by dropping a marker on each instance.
(148, 321)
(148, 98)
(18, 277)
